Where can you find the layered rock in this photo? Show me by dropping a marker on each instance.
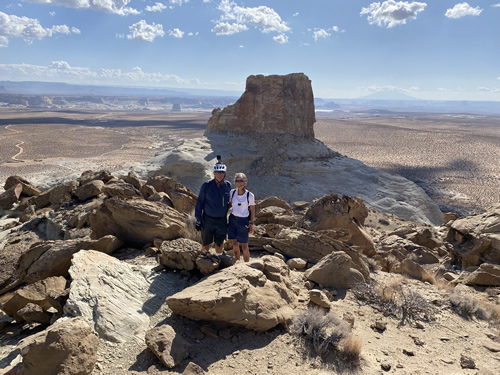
(274, 104)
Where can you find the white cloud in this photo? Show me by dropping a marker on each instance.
(282, 39)
(61, 71)
(295, 14)
(489, 89)
(27, 28)
(177, 2)
(176, 33)
(145, 32)
(389, 88)
(496, 5)
(391, 13)
(52, 13)
(262, 17)
(158, 7)
(461, 10)
(111, 6)
(225, 28)
(321, 34)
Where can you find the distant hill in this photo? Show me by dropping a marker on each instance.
(57, 88)
(388, 95)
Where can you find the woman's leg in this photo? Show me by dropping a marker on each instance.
(246, 252)
(236, 249)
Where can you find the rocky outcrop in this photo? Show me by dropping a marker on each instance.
(257, 296)
(476, 238)
(274, 104)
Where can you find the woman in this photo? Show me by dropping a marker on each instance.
(241, 220)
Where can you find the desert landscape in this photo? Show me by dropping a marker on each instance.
(453, 157)
(449, 330)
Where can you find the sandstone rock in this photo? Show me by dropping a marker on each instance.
(49, 258)
(487, 274)
(109, 295)
(240, 295)
(319, 298)
(68, 347)
(331, 212)
(132, 179)
(33, 313)
(410, 268)
(182, 198)
(88, 176)
(170, 347)
(41, 293)
(28, 189)
(120, 189)
(336, 270)
(297, 263)
(270, 104)
(476, 238)
(179, 254)
(193, 369)
(137, 221)
(90, 190)
(11, 196)
(57, 195)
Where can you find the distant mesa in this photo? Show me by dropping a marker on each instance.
(388, 96)
(278, 104)
(176, 107)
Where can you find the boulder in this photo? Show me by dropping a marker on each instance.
(170, 347)
(270, 104)
(56, 195)
(88, 176)
(336, 270)
(120, 189)
(486, 275)
(476, 238)
(89, 190)
(256, 295)
(182, 198)
(31, 262)
(179, 254)
(109, 295)
(11, 196)
(137, 221)
(68, 347)
(43, 293)
(330, 212)
(28, 189)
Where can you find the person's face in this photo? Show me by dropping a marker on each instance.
(240, 182)
(219, 176)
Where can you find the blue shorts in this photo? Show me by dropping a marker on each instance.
(238, 228)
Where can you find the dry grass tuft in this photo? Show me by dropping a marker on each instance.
(351, 349)
(397, 300)
(322, 330)
(469, 308)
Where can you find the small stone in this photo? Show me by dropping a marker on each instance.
(467, 362)
(385, 365)
(409, 353)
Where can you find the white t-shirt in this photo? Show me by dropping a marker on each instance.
(240, 202)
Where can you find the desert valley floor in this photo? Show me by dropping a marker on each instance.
(453, 157)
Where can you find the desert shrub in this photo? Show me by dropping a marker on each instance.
(323, 331)
(468, 307)
(373, 266)
(396, 300)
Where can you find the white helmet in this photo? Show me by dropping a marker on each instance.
(220, 167)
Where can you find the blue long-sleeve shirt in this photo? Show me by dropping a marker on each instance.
(213, 200)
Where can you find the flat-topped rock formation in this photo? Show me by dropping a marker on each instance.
(274, 104)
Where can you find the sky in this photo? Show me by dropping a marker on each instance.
(439, 50)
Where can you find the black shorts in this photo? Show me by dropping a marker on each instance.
(213, 229)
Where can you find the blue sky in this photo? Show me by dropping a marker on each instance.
(348, 48)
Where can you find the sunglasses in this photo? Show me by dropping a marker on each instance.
(239, 180)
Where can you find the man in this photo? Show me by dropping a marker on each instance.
(212, 207)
